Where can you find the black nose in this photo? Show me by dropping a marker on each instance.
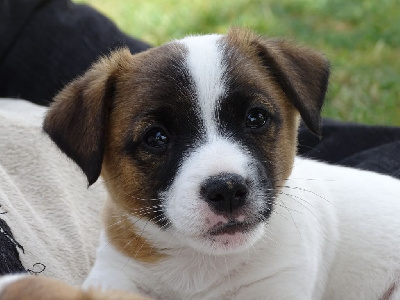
(225, 192)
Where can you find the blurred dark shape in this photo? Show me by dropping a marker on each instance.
(46, 43)
(373, 148)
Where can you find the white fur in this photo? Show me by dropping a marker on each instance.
(204, 61)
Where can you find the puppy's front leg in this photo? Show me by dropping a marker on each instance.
(111, 270)
(106, 277)
(25, 287)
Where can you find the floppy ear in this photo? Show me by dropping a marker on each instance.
(302, 73)
(77, 118)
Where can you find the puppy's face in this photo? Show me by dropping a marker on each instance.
(193, 138)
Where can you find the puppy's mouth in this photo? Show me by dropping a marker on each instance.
(231, 228)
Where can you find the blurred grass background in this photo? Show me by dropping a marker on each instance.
(361, 39)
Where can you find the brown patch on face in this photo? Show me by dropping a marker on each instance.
(302, 73)
(284, 79)
(127, 238)
(99, 119)
(44, 288)
(155, 92)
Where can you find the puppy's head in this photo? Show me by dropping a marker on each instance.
(195, 137)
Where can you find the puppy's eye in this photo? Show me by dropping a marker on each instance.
(256, 118)
(156, 138)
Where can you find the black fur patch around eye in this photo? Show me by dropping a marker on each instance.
(171, 105)
(231, 116)
(232, 112)
(242, 96)
(183, 126)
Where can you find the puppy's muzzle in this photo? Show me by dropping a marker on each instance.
(224, 192)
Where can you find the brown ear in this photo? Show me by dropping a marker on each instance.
(303, 74)
(77, 118)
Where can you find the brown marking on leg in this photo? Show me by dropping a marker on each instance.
(43, 288)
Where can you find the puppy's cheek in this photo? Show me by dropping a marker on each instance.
(184, 209)
(192, 217)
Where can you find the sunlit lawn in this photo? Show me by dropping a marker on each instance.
(361, 38)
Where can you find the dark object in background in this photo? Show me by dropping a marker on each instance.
(373, 148)
(9, 256)
(46, 43)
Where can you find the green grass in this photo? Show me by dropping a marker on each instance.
(361, 39)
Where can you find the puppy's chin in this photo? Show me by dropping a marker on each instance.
(226, 239)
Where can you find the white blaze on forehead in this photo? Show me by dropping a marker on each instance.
(204, 61)
(185, 208)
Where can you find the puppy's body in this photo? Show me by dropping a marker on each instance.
(334, 235)
(196, 141)
(321, 233)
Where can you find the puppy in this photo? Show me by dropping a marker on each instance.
(196, 142)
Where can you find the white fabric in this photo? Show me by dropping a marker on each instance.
(51, 212)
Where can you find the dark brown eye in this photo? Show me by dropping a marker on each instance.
(156, 138)
(256, 118)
